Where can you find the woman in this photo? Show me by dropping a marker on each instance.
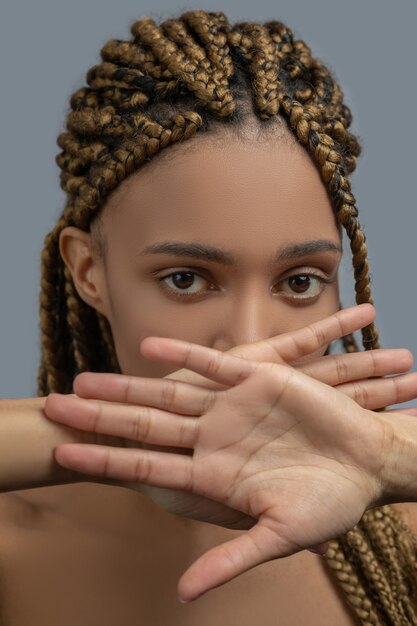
(107, 265)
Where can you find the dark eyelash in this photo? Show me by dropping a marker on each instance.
(190, 296)
(163, 286)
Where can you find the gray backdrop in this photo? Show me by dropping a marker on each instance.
(46, 48)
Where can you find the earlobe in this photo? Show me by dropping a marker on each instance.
(76, 251)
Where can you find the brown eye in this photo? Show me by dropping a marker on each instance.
(300, 284)
(182, 282)
(303, 285)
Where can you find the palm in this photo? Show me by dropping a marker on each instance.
(281, 469)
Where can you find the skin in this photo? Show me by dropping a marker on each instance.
(210, 196)
(207, 197)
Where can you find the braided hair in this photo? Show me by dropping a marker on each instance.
(171, 82)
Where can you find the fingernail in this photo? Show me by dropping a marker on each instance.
(191, 600)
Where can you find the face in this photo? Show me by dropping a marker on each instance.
(251, 250)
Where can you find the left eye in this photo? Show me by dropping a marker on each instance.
(302, 285)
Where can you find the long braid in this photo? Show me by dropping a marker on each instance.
(54, 332)
(174, 82)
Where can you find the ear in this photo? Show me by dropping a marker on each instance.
(87, 272)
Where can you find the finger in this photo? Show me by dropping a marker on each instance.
(374, 394)
(166, 394)
(341, 368)
(309, 339)
(213, 364)
(137, 423)
(230, 559)
(161, 469)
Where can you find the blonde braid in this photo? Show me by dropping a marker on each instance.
(177, 81)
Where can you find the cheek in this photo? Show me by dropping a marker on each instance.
(328, 304)
(140, 313)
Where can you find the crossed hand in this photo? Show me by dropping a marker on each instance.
(297, 459)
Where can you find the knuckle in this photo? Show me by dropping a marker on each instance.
(106, 464)
(189, 349)
(168, 394)
(319, 336)
(182, 435)
(214, 364)
(209, 400)
(194, 431)
(340, 330)
(97, 418)
(141, 425)
(129, 390)
(342, 370)
(230, 556)
(397, 391)
(142, 467)
(188, 482)
(373, 357)
(361, 395)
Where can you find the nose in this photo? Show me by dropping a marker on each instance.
(253, 315)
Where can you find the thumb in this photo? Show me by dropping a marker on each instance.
(230, 559)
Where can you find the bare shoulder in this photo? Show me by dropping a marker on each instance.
(66, 506)
(77, 507)
(17, 510)
(83, 534)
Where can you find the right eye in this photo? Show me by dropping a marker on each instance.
(182, 280)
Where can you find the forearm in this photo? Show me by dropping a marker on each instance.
(399, 470)
(27, 441)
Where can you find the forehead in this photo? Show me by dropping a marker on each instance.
(246, 196)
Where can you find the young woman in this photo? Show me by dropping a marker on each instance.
(206, 169)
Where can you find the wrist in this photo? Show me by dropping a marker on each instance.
(27, 441)
(399, 463)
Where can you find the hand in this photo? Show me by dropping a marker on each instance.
(345, 371)
(349, 372)
(296, 455)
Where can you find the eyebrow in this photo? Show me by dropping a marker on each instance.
(217, 255)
